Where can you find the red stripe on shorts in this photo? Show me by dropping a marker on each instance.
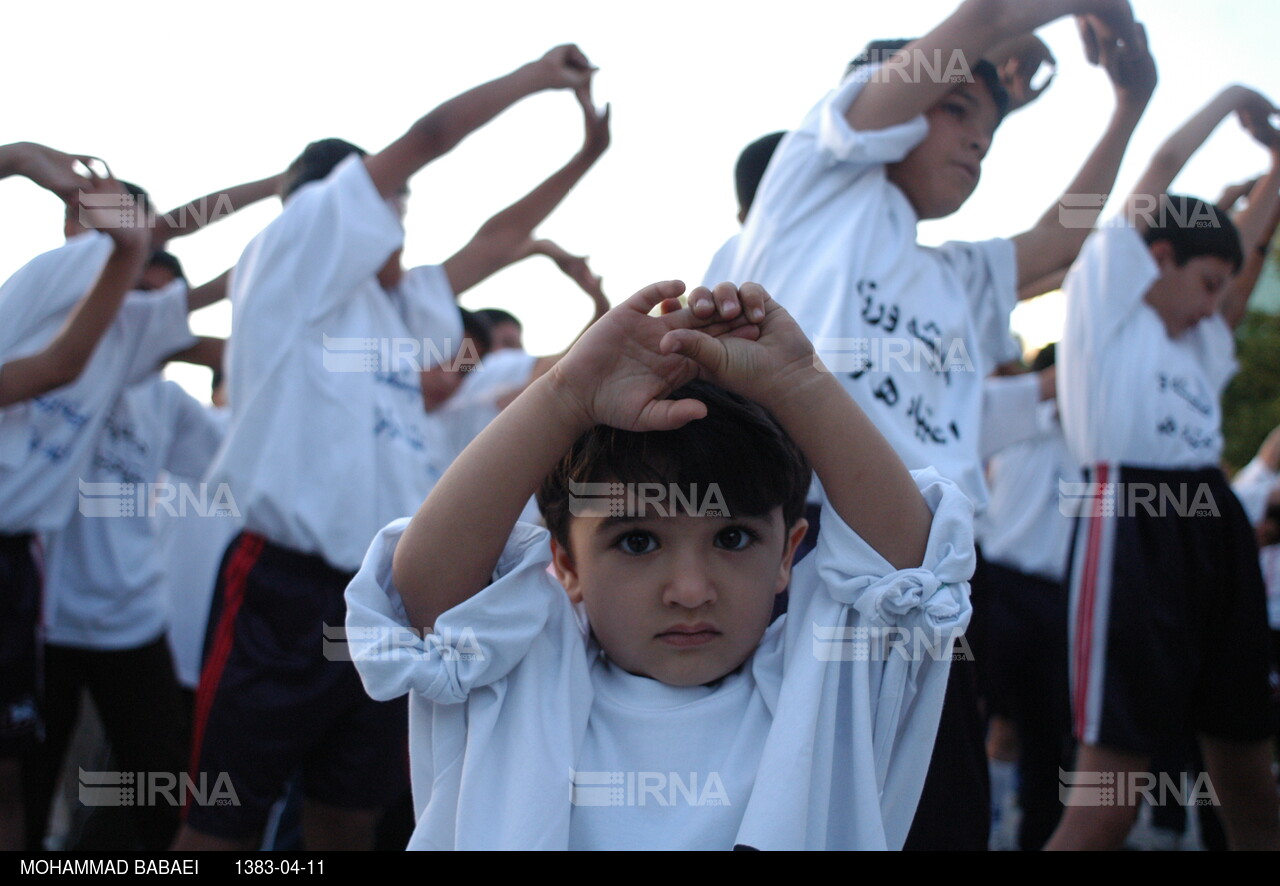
(248, 549)
(1085, 607)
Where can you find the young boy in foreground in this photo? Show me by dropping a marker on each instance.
(644, 700)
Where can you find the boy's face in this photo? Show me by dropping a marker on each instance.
(681, 599)
(1184, 296)
(943, 170)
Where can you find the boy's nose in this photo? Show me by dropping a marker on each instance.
(689, 584)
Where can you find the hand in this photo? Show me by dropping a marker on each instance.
(617, 374)
(596, 140)
(574, 267)
(1255, 112)
(565, 67)
(1114, 17)
(763, 367)
(55, 171)
(1128, 63)
(1018, 62)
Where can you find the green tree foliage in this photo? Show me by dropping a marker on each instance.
(1251, 405)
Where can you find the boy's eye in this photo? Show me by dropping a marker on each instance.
(954, 108)
(637, 543)
(735, 538)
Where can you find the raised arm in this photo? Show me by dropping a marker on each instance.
(974, 30)
(434, 135)
(196, 214)
(1057, 237)
(1173, 155)
(62, 360)
(615, 375)
(50, 169)
(1257, 224)
(862, 476)
(208, 293)
(574, 267)
(505, 237)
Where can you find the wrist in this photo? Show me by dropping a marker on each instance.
(558, 401)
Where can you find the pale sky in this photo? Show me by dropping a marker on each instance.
(186, 98)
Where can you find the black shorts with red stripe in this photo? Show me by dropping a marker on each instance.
(278, 696)
(20, 588)
(1168, 611)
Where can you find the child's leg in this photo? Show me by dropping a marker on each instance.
(1241, 775)
(1087, 825)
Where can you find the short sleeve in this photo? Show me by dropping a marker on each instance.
(820, 161)
(988, 274)
(839, 141)
(1215, 346)
(933, 595)
(426, 301)
(1107, 284)
(1010, 412)
(47, 287)
(1252, 484)
(332, 236)
(197, 434)
(474, 644)
(154, 327)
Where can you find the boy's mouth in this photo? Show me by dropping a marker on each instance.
(689, 635)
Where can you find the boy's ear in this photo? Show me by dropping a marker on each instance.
(566, 571)
(1162, 252)
(794, 537)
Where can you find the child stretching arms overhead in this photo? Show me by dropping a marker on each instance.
(538, 707)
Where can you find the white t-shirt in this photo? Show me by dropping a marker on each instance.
(328, 439)
(104, 580)
(1130, 394)
(1252, 485)
(722, 264)
(508, 708)
(192, 545)
(47, 443)
(910, 331)
(1028, 523)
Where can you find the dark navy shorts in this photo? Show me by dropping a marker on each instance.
(20, 585)
(277, 699)
(1168, 612)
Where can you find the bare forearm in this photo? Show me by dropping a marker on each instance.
(208, 293)
(973, 30)
(1054, 245)
(451, 546)
(1173, 155)
(862, 476)
(196, 214)
(442, 128)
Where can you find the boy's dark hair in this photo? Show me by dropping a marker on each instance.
(494, 316)
(1195, 227)
(1047, 357)
(316, 161)
(752, 163)
(169, 262)
(878, 51)
(141, 199)
(478, 328)
(739, 447)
